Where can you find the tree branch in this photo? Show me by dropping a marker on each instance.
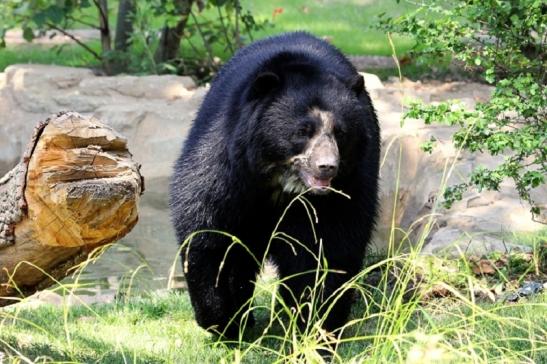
(79, 42)
(91, 25)
(101, 11)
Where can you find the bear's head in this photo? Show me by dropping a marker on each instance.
(309, 129)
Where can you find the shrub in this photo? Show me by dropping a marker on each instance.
(149, 34)
(503, 41)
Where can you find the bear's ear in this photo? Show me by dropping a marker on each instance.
(264, 83)
(358, 84)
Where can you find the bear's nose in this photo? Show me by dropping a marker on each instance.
(326, 166)
(327, 169)
(324, 157)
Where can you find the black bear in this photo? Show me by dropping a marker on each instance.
(286, 115)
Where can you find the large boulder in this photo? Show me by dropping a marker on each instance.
(153, 112)
(411, 179)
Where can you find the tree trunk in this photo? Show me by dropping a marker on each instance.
(124, 25)
(122, 40)
(169, 46)
(106, 40)
(75, 189)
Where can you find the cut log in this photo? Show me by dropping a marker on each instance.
(76, 189)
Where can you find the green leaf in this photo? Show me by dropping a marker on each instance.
(218, 3)
(28, 34)
(55, 14)
(428, 146)
(489, 75)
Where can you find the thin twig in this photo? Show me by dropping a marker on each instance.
(82, 44)
(225, 30)
(236, 31)
(205, 42)
(91, 25)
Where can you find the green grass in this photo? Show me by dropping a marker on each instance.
(71, 55)
(153, 329)
(531, 239)
(159, 328)
(346, 23)
(411, 309)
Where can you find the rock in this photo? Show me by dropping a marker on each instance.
(362, 63)
(411, 179)
(372, 82)
(454, 243)
(166, 87)
(528, 289)
(153, 112)
(86, 297)
(478, 201)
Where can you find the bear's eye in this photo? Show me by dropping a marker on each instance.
(305, 129)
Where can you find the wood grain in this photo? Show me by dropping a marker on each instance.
(76, 188)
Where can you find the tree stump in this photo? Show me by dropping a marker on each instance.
(75, 189)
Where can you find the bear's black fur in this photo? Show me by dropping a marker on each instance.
(237, 174)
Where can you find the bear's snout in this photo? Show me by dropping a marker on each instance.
(324, 159)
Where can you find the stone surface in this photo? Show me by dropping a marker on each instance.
(412, 179)
(363, 63)
(155, 114)
(372, 82)
(452, 242)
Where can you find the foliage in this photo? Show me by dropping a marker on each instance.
(340, 22)
(35, 18)
(226, 31)
(215, 30)
(505, 42)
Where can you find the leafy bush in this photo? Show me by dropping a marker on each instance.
(38, 17)
(149, 34)
(213, 30)
(504, 41)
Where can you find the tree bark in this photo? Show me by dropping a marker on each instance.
(122, 39)
(169, 46)
(124, 25)
(106, 39)
(75, 189)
